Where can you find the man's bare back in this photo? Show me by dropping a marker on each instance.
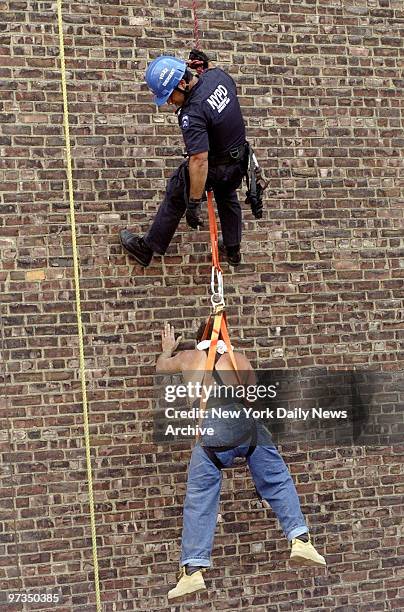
(191, 363)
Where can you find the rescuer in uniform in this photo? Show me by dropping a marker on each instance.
(232, 438)
(213, 129)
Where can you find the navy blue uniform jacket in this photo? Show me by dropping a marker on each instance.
(211, 118)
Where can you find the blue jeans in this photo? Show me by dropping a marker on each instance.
(272, 480)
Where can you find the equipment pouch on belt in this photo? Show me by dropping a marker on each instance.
(256, 184)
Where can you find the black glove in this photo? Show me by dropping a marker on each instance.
(198, 60)
(192, 213)
(256, 204)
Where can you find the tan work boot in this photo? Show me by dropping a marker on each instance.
(187, 584)
(304, 553)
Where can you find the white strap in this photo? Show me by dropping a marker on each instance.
(220, 348)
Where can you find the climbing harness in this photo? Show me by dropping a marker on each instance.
(76, 268)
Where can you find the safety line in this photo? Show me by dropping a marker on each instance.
(78, 305)
(196, 25)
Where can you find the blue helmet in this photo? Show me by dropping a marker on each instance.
(163, 75)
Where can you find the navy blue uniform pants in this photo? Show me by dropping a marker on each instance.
(224, 180)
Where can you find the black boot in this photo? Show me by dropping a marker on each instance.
(232, 254)
(136, 247)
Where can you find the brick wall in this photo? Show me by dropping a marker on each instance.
(321, 88)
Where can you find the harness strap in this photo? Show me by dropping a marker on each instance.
(210, 361)
(212, 450)
(226, 339)
(219, 326)
(213, 457)
(253, 443)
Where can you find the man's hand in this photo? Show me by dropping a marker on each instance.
(193, 212)
(168, 341)
(166, 364)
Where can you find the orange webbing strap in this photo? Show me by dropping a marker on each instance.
(210, 360)
(226, 340)
(217, 326)
(213, 233)
(205, 331)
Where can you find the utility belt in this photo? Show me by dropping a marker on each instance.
(229, 157)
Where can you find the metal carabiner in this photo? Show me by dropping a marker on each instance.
(219, 280)
(217, 301)
(217, 297)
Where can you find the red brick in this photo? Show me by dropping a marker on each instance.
(321, 285)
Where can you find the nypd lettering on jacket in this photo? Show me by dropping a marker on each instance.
(210, 118)
(219, 99)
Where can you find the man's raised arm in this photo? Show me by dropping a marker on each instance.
(166, 364)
